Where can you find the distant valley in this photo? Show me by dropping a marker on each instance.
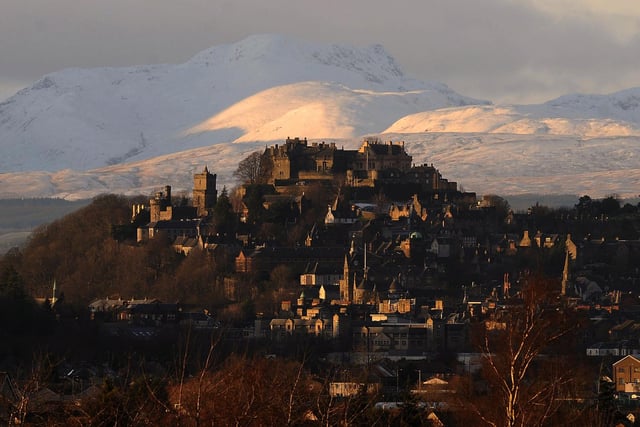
(21, 216)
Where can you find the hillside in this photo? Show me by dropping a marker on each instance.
(518, 120)
(77, 133)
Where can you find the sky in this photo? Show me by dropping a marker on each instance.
(505, 51)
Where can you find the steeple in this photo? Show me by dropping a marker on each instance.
(345, 289)
(565, 274)
(571, 251)
(365, 260)
(53, 295)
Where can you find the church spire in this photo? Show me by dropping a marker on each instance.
(53, 294)
(571, 252)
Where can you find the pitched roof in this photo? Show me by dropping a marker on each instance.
(7, 387)
(625, 358)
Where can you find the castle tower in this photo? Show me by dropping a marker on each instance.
(205, 194)
(160, 206)
(167, 194)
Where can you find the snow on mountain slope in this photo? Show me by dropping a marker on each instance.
(542, 164)
(482, 162)
(521, 120)
(89, 118)
(318, 110)
(134, 178)
(78, 133)
(621, 106)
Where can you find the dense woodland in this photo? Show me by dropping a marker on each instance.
(89, 255)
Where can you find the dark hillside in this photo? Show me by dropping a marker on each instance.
(81, 254)
(76, 251)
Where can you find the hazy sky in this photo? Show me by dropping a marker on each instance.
(501, 50)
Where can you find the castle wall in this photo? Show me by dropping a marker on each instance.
(374, 162)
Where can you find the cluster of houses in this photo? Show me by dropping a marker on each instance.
(375, 277)
(143, 317)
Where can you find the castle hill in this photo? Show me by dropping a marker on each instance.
(329, 287)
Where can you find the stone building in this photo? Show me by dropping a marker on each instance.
(375, 166)
(179, 221)
(160, 205)
(372, 158)
(205, 193)
(298, 161)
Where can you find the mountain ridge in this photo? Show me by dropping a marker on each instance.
(132, 113)
(81, 132)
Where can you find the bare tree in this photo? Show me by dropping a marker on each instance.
(27, 389)
(525, 374)
(253, 169)
(246, 391)
(499, 204)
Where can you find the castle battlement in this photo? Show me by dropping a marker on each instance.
(298, 160)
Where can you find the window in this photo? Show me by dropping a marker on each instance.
(621, 369)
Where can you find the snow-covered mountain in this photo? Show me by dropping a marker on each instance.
(80, 132)
(260, 89)
(521, 120)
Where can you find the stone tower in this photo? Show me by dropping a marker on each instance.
(160, 205)
(205, 194)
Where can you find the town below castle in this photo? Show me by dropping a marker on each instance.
(401, 283)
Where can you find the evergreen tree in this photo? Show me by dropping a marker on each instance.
(223, 216)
